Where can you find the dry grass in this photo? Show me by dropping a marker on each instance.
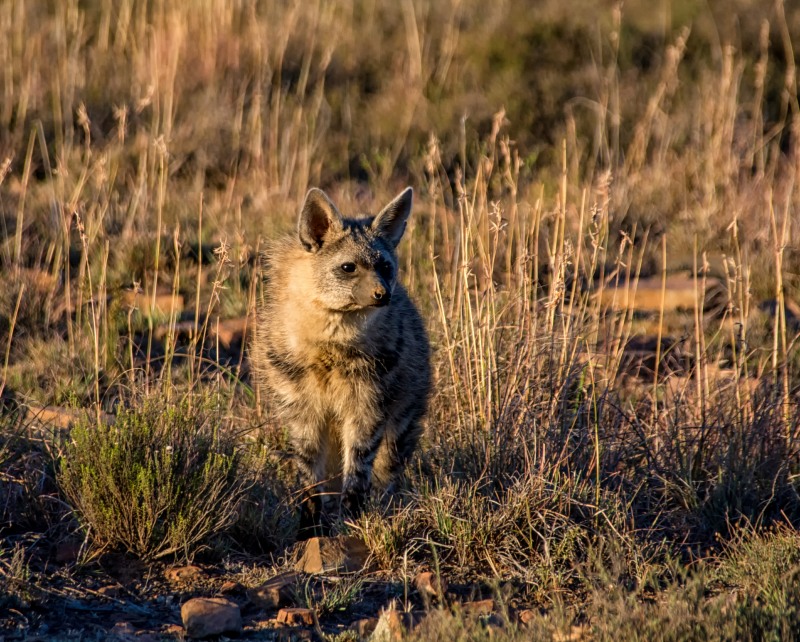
(560, 157)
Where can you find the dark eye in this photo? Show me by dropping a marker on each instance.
(384, 267)
(348, 267)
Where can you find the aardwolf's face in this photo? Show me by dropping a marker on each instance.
(354, 260)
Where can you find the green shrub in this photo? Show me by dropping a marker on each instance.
(160, 481)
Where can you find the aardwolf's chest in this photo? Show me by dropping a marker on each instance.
(335, 366)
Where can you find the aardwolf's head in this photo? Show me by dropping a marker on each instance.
(354, 259)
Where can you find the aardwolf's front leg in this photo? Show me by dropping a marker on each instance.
(311, 451)
(360, 445)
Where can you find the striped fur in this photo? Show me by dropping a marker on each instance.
(344, 350)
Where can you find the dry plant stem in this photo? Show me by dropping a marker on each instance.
(162, 185)
(448, 344)
(637, 151)
(756, 158)
(743, 306)
(790, 78)
(173, 316)
(222, 258)
(12, 324)
(131, 367)
(95, 321)
(779, 349)
(250, 314)
(103, 302)
(195, 330)
(698, 353)
(26, 174)
(701, 303)
(660, 325)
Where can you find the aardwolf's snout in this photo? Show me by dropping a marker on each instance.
(372, 292)
(380, 296)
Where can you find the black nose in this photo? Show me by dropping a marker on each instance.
(380, 296)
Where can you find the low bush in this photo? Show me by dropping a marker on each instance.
(158, 482)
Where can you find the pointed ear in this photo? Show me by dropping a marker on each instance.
(318, 218)
(391, 222)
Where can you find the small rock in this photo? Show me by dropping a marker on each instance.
(174, 630)
(389, 627)
(164, 303)
(183, 574)
(428, 584)
(231, 331)
(60, 417)
(112, 590)
(526, 616)
(575, 634)
(479, 607)
(122, 632)
(364, 627)
(275, 592)
(230, 586)
(297, 616)
(204, 616)
(125, 632)
(332, 554)
(393, 625)
(295, 635)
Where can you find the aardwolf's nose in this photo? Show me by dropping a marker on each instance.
(381, 296)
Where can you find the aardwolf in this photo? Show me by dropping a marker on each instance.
(344, 350)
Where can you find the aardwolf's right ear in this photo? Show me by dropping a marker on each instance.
(318, 217)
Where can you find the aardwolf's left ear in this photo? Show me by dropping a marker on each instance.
(391, 222)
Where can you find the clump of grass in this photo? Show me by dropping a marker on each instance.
(15, 577)
(765, 567)
(535, 531)
(266, 519)
(333, 597)
(160, 481)
(28, 496)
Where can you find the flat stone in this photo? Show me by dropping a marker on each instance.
(183, 574)
(575, 634)
(679, 293)
(296, 616)
(205, 616)
(231, 331)
(163, 304)
(479, 607)
(63, 417)
(275, 592)
(332, 554)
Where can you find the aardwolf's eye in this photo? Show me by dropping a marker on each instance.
(385, 269)
(348, 267)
